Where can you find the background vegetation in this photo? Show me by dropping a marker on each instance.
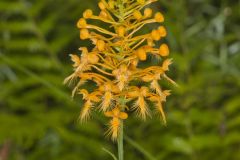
(38, 119)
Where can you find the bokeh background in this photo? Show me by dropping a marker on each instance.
(38, 119)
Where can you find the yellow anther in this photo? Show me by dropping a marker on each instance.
(159, 17)
(164, 50)
(88, 13)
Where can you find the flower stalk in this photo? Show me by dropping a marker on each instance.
(120, 142)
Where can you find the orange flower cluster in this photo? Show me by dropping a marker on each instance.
(113, 64)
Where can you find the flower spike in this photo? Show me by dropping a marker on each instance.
(113, 63)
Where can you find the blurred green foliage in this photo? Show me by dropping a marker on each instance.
(38, 119)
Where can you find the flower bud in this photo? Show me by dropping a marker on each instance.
(100, 45)
(137, 15)
(141, 53)
(164, 50)
(162, 31)
(121, 31)
(155, 35)
(159, 17)
(84, 34)
(103, 14)
(101, 6)
(93, 58)
(87, 14)
(82, 23)
(147, 13)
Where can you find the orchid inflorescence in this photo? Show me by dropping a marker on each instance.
(113, 63)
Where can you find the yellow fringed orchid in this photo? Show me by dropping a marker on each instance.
(113, 63)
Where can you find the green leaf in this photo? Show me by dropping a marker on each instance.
(110, 153)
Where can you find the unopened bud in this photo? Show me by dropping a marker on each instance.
(82, 23)
(101, 6)
(141, 54)
(88, 13)
(101, 45)
(159, 17)
(84, 34)
(164, 50)
(103, 14)
(148, 13)
(162, 31)
(137, 15)
(121, 31)
(155, 35)
(93, 58)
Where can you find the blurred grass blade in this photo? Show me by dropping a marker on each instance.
(139, 148)
(110, 153)
(30, 73)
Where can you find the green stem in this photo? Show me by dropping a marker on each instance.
(120, 136)
(120, 142)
